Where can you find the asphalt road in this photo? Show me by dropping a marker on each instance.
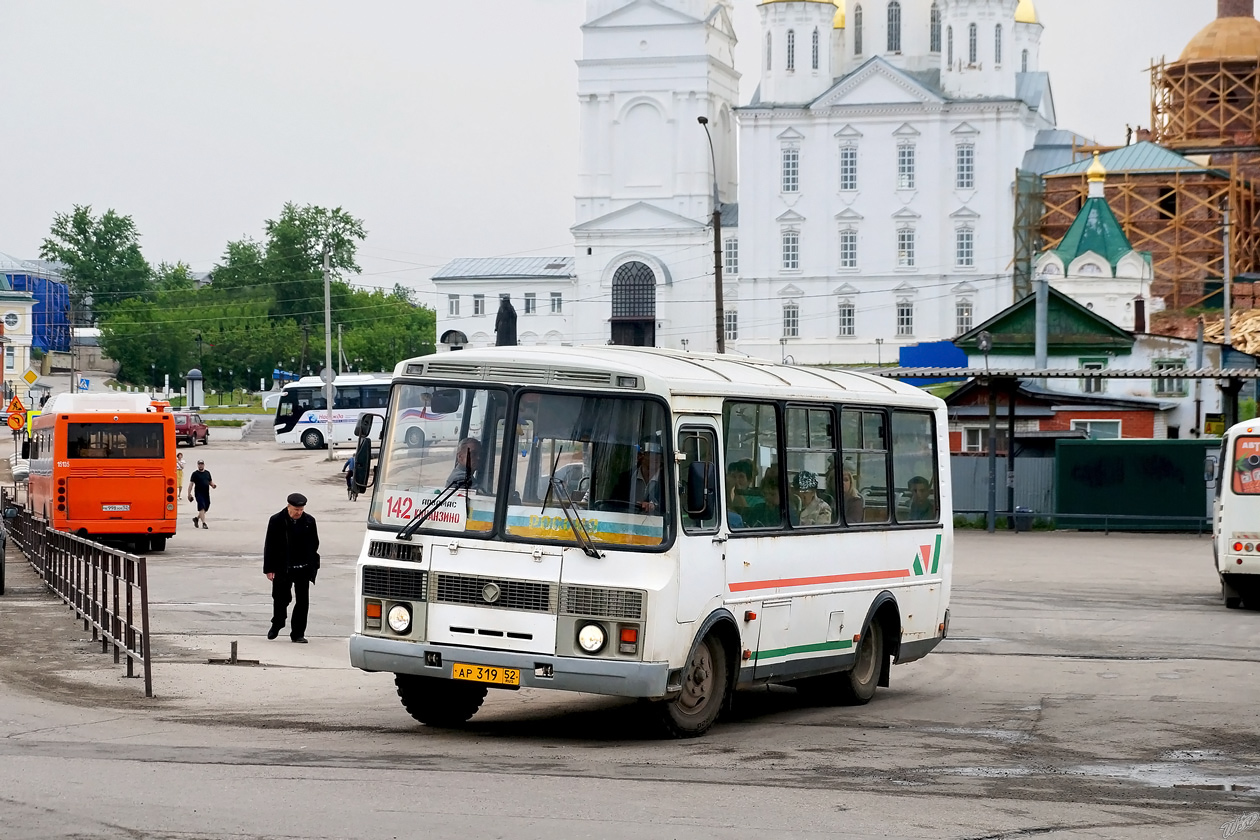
(1093, 687)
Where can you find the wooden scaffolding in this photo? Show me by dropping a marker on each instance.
(1206, 104)
(1178, 216)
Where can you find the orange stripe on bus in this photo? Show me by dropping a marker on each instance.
(810, 581)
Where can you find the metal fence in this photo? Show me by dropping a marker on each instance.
(107, 588)
(1034, 482)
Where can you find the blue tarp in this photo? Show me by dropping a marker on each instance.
(942, 354)
(50, 316)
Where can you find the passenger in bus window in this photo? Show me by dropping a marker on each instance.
(854, 507)
(768, 515)
(640, 486)
(814, 511)
(922, 505)
(467, 461)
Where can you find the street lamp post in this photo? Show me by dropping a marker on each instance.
(219, 382)
(879, 343)
(718, 306)
(153, 376)
(232, 382)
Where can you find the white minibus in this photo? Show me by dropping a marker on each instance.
(302, 413)
(652, 524)
(1236, 529)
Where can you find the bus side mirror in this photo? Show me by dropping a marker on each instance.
(362, 462)
(701, 490)
(1209, 470)
(363, 427)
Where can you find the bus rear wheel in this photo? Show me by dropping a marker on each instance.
(436, 702)
(704, 688)
(856, 686)
(157, 544)
(414, 438)
(312, 439)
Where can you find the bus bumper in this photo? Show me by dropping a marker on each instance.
(563, 673)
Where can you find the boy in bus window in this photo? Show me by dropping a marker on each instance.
(768, 514)
(922, 505)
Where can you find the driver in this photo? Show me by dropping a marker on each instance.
(641, 485)
(467, 462)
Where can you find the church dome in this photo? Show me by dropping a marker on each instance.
(1225, 37)
(1025, 12)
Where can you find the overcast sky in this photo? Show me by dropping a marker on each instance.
(449, 127)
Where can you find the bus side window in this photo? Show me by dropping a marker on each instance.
(914, 467)
(865, 458)
(696, 445)
(375, 396)
(752, 450)
(347, 396)
(811, 464)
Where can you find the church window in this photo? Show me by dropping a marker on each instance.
(964, 313)
(791, 50)
(791, 250)
(557, 303)
(997, 44)
(965, 247)
(791, 170)
(934, 32)
(848, 168)
(949, 44)
(769, 44)
(905, 166)
(732, 324)
(1167, 202)
(731, 257)
(1023, 62)
(857, 31)
(634, 291)
(452, 304)
(894, 27)
(791, 320)
(479, 304)
(905, 247)
(973, 44)
(905, 318)
(815, 48)
(848, 248)
(965, 169)
(848, 319)
(531, 303)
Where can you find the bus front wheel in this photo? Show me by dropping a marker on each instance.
(437, 702)
(704, 688)
(312, 439)
(857, 686)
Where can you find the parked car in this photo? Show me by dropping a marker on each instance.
(190, 428)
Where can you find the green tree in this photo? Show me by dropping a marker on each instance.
(169, 278)
(102, 256)
(294, 256)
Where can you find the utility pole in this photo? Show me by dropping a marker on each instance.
(340, 353)
(329, 388)
(719, 307)
(74, 377)
(1228, 277)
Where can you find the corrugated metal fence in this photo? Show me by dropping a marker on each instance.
(1034, 483)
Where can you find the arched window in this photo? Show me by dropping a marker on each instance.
(791, 50)
(973, 45)
(894, 27)
(949, 45)
(815, 48)
(997, 44)
(857, 30)
(935, 28)
(769, 44)
(1023, 62)
(634, 305)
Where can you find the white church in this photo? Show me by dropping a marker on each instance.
(867, 190)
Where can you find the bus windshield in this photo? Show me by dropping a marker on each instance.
(114, 440)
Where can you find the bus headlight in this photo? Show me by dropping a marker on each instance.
(591, 638)
(399, 618)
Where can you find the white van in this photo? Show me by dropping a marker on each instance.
(1236, 531)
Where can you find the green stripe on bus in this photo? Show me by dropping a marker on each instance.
(918, 567)
(936, 555)
(843, 644)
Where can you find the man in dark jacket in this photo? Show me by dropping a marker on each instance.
(290, 562)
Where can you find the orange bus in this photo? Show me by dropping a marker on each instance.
(103, 467)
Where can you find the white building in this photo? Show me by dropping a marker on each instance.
(875, 170)
(18, 329)
(540, 289)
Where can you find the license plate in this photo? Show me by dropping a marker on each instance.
(486, 674)
(116, 507)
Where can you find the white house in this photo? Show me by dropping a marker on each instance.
(540, 289)
(16, 310)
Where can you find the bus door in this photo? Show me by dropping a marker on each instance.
(702, 540)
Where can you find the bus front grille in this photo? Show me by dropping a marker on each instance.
(602, 603)
(402, 584)
(528, 595)
(385, 550)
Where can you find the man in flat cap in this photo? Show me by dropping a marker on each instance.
(290, 562)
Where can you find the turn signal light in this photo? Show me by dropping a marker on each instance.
(628, 639)
(749, 615)
(373, 609)
(372, 615)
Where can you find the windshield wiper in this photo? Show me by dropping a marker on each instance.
(550, 478)
(575, 521)
(425, 512)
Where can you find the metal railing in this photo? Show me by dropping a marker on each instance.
(1198, 524)
(107, 588)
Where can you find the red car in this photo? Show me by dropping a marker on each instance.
(190, 428)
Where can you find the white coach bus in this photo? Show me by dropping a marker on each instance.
(1236, 531)
(652, 524)
(302, 413)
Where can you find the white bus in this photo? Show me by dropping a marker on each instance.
(302, 413)
(652, 524)
(1236, 531)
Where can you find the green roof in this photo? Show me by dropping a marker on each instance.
(1072, 329)
(1139, 157)
(1095, 229)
